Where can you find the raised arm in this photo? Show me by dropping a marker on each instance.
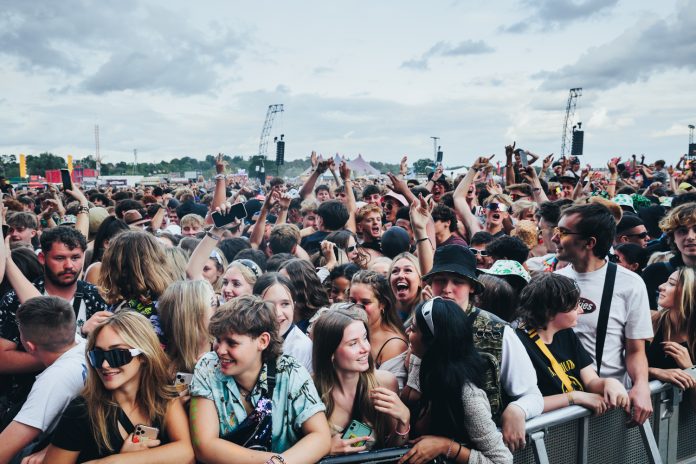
(613, 176)
(82, 222)
(201, 254)
(220, 193)
(320, 168)
(345, 172)
(531, 177)
(424, 235)
(260, 227)
(461, 206)
(509, 169)
(546, 164)
(400, 186)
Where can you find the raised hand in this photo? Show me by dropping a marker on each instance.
(403, 167)
(398, 185)
(220, 164)
(438, 173)
(313, 159)
(510, 149)
(481, 162)
(548, 161)
(344, 170)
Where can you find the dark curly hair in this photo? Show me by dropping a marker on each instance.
(544, 297)
(68, 236)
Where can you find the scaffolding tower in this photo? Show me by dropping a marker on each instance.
(568, 123)
(266, 131)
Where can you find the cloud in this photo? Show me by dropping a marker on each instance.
(553, 14)
(675, 130)
(446, 49)
(648, 48)
(129, 46)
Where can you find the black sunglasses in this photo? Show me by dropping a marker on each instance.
(351, 249)
(116, 358)
(641, 235)
(478, 252)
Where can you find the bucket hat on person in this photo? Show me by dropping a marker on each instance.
(133, 218)
(397, 196)
(509, 270)
(624, 200)
(455, 259)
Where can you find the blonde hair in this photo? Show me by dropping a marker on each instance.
(155, 389)
(135, 266)
(192, 219)
(247, 273)
(183, 310)
(498, 198)
(178, 260)
(685, 307)
(522, 206)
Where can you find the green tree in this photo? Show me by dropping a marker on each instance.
(423, 165)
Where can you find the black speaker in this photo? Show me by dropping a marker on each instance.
(280, 153)
(439, 156)
(691, 154)
(578, 137)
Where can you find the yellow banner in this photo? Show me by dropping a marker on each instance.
(22, 165)
(70, 163)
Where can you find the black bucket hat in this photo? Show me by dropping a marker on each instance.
(455, 259)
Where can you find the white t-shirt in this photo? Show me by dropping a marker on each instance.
(629, 316)
(299, 346)
(53, 389)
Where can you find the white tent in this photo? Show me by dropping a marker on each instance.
(362, 168)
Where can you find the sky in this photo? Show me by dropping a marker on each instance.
(380, 78)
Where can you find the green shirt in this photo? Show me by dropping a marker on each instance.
(295, 399)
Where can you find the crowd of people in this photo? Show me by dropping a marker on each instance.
(158, 324)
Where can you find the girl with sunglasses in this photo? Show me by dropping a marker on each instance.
(128, 386)
(453, 416)
(350, 386)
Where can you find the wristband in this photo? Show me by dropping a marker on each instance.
(276, 459)
(217, 238)
(404, 434)
(219, 176)
(83, 209)
(570, 399)
(422, 239)
(449, 450)
(536, 189)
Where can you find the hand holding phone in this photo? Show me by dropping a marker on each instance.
(357, 429)
(66, 179)
(145, 432)
(230, 215)
(182, 382)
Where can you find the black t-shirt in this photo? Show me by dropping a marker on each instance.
(657, 274)
(74, 433)
(312, 243)
(569, 353)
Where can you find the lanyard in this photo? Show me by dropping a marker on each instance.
(562, 376)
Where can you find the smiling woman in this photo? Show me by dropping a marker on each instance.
(128, 383)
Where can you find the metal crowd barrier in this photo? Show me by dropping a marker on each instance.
(572, 435)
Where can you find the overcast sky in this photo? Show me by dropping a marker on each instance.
(174, 78)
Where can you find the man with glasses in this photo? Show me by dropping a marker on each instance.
(631, 229)
(497, 209)
(479, 241)
(47, 328)
(583, 238)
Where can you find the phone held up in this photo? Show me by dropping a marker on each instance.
(238, 211)
(66, 179)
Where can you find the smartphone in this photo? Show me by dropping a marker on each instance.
(238, 211)
(523, 158)
(182, 382)
(66, 179)
(146, 432)
(5, 230)
(357, 429)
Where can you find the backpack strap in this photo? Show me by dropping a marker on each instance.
(603, 321)
(271, 370)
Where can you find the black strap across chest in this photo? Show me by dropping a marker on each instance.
(603, 321)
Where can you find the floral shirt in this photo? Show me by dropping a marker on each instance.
(147, 310)
(295, 399)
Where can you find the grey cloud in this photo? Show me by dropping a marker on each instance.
(552, 14)
(464, 48)
(641, 51)
(70, 37)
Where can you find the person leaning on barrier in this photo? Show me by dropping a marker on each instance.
(350, 386)
(583, 238)
(453, 417)
(674, 346)
(549, 308)
(510, 384)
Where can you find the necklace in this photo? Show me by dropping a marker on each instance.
(244, 392)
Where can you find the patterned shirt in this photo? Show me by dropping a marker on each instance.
(91, 303)
(295, 399)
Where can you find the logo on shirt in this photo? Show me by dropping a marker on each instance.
(587, 306)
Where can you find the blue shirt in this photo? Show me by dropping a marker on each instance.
(295, 399)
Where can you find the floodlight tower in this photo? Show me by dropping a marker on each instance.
(97, 155)
(569, 114)
(267, 125)
(691, 154)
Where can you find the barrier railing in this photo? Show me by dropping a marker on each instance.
(573, 435)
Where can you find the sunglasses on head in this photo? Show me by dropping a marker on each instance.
(478, 252)
(497, 207)
(116, 358)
